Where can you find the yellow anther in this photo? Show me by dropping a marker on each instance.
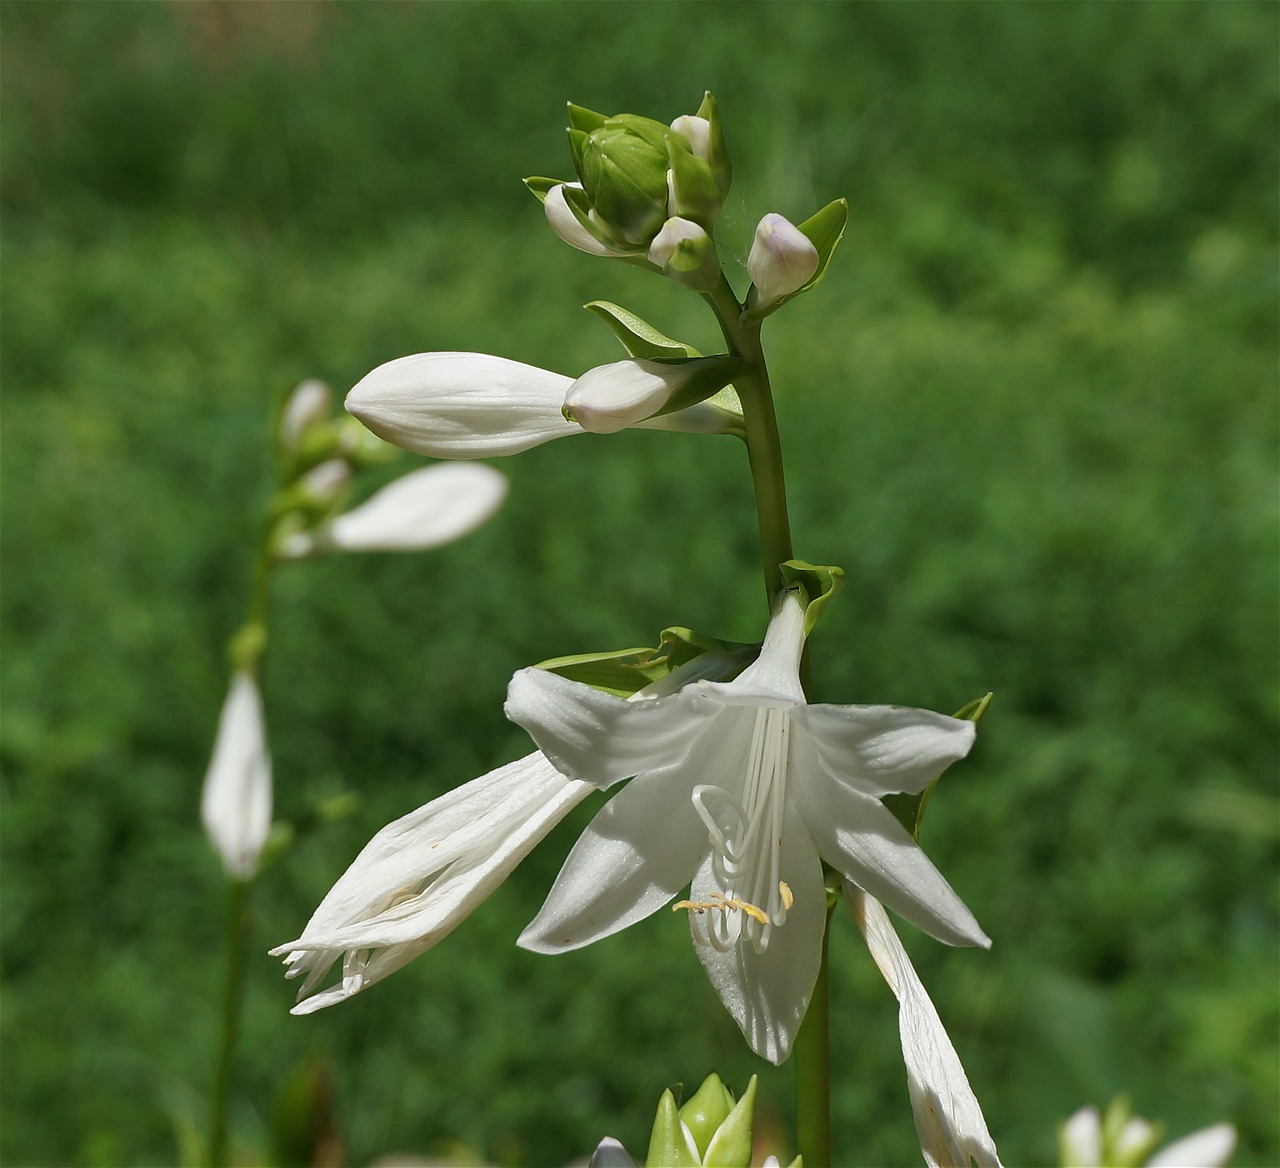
(724, 904)
(787, 899)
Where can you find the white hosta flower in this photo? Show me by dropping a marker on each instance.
(949, 1121)
(235, 805)
(425, 508)
(473, 405)
(1124, 1141)
(420, 876)
(746, 788)
(782, 259)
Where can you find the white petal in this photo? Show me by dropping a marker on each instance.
(235, 805)
(767, 993)
(1210, 1148)
(565, 223)
(610, 1153)
(423, 874)
(462, 405)
(601, 738)
(612, 397)
(782, 258)
(776, 672)
(697, 132)
(949, 1121)
(1081, 1139)
(861, 839)
(636, 854)
(882, 750)
(422, 509)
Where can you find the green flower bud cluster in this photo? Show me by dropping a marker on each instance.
(643, 185)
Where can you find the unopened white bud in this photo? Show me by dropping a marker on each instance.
(566, 225)
(782, 259)
(610, 398)
(324, 482)
(697, 132)
(236, 803)
(307, 405)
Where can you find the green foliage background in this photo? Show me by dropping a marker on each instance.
(1032, 410)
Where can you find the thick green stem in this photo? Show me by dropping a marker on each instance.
(813, 1071)
(233, 992)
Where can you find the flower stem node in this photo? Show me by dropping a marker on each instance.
(612, 397)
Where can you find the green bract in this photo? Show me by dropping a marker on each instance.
(820, 581)
(624, 671)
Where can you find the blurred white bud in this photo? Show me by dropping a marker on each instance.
(324, 482)
(782, 259)
(306, 405)
(235, 806)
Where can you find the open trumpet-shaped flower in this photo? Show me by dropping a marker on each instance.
(745, 788)
(420, 876)
(473, 405)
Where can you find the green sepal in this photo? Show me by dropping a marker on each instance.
(581, 118)
(697, 195)
(731, 1145)
(624, 671)
(909, 809)
(624, 172)
(540, 187)
(705, 1110)
(577, 151)
(638, 337)
(710, 376)
(721, 167)
(650, 130)
(579, 204)
(820, 581)
(667, 1145)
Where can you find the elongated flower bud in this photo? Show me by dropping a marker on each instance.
(235, 806)
(782, 259)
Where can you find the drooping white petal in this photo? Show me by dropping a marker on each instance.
(949, 1120)
(767, 993)
(235, 805)
(462, 405)
(420, 876)
(565, 223)
(860, 837)
(882, 750)
(601, 738)
(635, 855)
(612, 397)
(423, 509)
(1209, 1148)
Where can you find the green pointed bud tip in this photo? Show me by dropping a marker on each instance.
(581, 118)
(705, 1110)
(624, 175)
(670, 1143)
(692, 191)
(730, 1147)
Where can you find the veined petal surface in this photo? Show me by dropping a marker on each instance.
(860, 837)
(462, 405)
(884, 750)
(767, 993)
(636, 854)
(598, 737)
